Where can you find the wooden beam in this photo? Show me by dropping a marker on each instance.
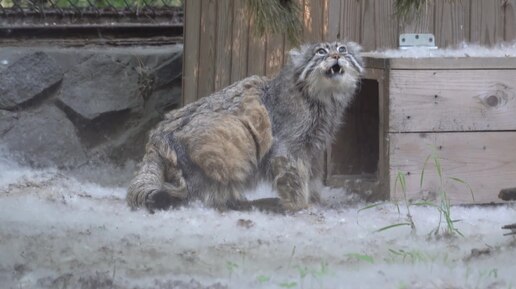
(350, 20)
(223, 43)
(206, 84)
(451, 22)
(239, 53)
(510, 20)
(368, 25)
(487, 21)
(275, 53)
(386, 30)
(191, 50)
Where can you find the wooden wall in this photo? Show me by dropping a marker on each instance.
(221, 47)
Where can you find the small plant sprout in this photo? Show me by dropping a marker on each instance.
(412, 256)
(288, 284)
(231, 267)
(361, 257)
(263, 279)
(400, 179)
(444, 206)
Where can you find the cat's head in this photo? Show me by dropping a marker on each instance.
(320, 67)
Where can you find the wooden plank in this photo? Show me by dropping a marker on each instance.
(239, 51)
(510, 20)
(332, 20)
(257, 50)
(223, 43)
(452, 100)
(486, 22)
(386, 30)
(313, 21)
(451, 22)
(368, 25)
(275, 53)
(191, 48)
(422, 23)
(485, 161)
(350, 20)
(206, 83)
(383, 78)
(440, 63)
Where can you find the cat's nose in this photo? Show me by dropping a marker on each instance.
(335, 55)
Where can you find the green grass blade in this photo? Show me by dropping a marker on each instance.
(393, 226)
(369, 207)
(423, 172)
(361, 257)
(425, 204)
(466, 184)
(438, 167)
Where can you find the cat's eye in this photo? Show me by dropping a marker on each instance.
(321, 51)
(342, 49)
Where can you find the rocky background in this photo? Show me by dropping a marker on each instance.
(71, 107)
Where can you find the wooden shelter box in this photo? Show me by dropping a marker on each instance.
(433, 124)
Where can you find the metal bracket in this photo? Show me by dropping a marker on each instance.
(411, 40)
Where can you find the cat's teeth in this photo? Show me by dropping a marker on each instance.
(332, 71)
(341, 70)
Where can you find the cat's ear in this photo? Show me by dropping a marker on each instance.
(297, 55)
(355, 49)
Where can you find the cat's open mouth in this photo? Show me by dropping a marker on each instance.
(335, 70)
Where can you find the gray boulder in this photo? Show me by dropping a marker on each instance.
(44, 137)
(28, 78)
(7, 121)
(102, 84)
(169, 71)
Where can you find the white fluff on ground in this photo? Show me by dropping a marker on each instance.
(59, 232)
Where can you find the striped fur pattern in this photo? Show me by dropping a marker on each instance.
(275, 129)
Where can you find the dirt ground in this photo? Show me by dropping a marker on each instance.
(59, 232)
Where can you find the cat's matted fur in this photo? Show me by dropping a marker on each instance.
(219, 146)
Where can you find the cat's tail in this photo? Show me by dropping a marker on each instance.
(159, 182)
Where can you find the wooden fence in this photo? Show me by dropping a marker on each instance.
(221, 46)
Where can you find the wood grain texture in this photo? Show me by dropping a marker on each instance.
(350, 20)
(239, 53)
(386, 24)
(313, 21)
(485, 161)
(422, 23)
(510, 20)
(275, 53)
(223, 45)
(452, 100)
(191, 48)
(368, 25)
(451, 22)
(208, 44)
(257, 50)
(487, 21)
(332, 20)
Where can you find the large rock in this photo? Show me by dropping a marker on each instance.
(102, 84)
(45, 137)
(28, 78)
(168, 71)
(7, 121)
